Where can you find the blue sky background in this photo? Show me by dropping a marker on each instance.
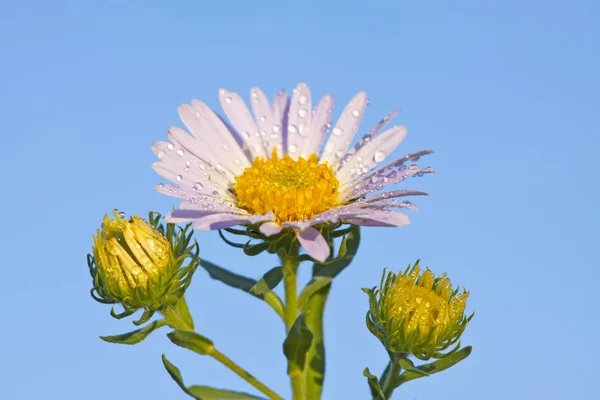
(506, 92)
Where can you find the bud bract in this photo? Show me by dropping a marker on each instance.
(417, 314)
(138, 264)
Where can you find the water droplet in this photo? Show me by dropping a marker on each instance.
(337, 131)
(186, 169)
(122, 214)
(418, 300)
(302, 112)
(276, 128)
(246, 135)
(303, 99)
(197, 186)
(293, 148)
(379, 156)
(237, 161)
(228, 100)
(160, 155)
(150, 243)
(180, 152)
(329, 148)
(179, 178)
(170, 146)
(263, 118)
(292, 129)
(339, 154)
(197, 115)
(215, 193)
(355, 113)
(225, 147)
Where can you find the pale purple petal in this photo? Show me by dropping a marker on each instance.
(191, 179)
(396, 193)
(369, 135)
(379, 218)
(299, 120)
(270, 128)
(371, 154)
(321, 121)
(270, 228)
(281, 106)
(236, 110)
(313, 243)
(179, 216)
(213, 135)
(344, 131)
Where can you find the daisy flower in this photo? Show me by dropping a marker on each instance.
(280, 170)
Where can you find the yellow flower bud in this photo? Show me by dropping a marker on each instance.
(134, 264)
(418, 314)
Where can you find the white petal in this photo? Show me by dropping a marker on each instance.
(299, 120)
(321, 121)
(191, 180)
(344, 131)
(371, 154)
(235, 109)
(313, 243)
(379, 218)
(280, 107)
(266, 122)
(222, 221)
(373, 132)
(270, 228)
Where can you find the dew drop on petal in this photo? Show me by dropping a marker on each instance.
(228, 100)
(180, 152)
(246, 135)
(303, 99)
(379, 156)
(237, 161)
(339, 154)
(215, 193)
(263, 118)
(276, 128)
(160, 154)
(355, 113)
(225, 147)
(293, 148)
(170, 146)
(302, 112)
(179, 178)
(337, 131)
(186, 169)
(293, 129)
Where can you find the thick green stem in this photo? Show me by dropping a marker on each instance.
(245, 375)
(314, 373)
(387, 379)
(179, 316)
(290, 268)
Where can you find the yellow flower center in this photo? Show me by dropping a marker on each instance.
(426, 303)
(293, 190)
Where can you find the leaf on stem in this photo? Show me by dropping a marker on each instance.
(434, 367)
(374, 385)
(191, 341)
(297, 343)
(268, 282)
(136, 336)
(203, 392)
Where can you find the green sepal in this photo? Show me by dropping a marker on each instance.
(203, 392)
(374, 385)
(434, 367)
(255, 249)
(297, 343)
(192, 341)
(136, 336)
(268, 282)
(242, 283)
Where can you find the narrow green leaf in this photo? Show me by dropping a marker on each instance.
(242, 283)
(374, 385)
(316, 284)
(268, 282)
(435, 367)
(348, 249)
(254, 250)
(191, 341)
(203, 392)
(209, 393)
(137, 336)
(408, 365)
(297, 343)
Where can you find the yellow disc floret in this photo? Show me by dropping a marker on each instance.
(294, 190)
(425, 303)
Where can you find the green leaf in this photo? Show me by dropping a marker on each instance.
(297, 343)
(191, 341)
(434, 367)
(256, 249)
(203, 392)
(137, 336)
(408, 365)
(243, 283)
(374, 385)
(209, 393)
(268, 282)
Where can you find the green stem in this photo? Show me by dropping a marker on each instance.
(389, 376)
(290, 268)
(314, 374)
(245, 375)
(179, 316)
